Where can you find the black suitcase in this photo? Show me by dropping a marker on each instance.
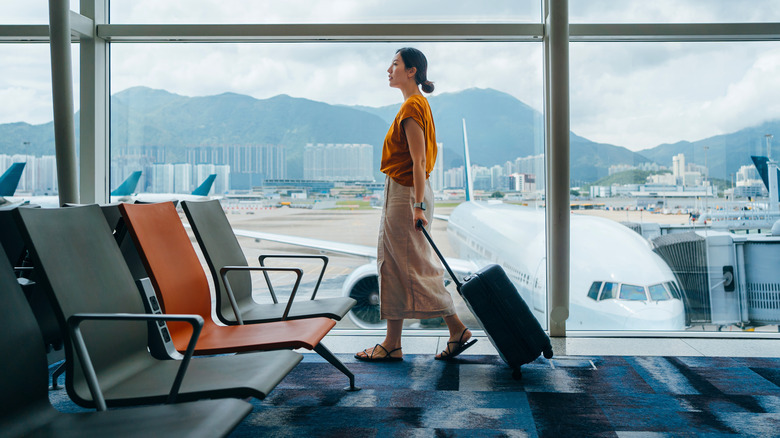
(506, 318)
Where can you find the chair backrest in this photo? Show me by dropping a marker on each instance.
(123, 239)
(15, 250)
(170, 260)
(23, 382)
(83, 272)
(10, 237)
(220, 248)
(112, 215)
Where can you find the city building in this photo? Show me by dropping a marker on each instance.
(39, 176)
(338, 162)
(522, 182)
(748, 183)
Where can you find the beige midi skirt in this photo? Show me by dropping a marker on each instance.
(411, 278)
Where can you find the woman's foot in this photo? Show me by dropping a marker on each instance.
(456, 346)
(380, 354)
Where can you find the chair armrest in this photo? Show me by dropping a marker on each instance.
(81, 349)
(324, 259)
(225, 269)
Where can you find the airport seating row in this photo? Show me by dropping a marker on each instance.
(83, 262)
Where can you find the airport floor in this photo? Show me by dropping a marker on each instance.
(622, 387)
(431, 342)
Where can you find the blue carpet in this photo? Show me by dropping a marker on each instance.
(476, 396)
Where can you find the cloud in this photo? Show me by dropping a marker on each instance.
(317, 11)
(337, 73)
(668, 92)
(636, 95)
(25, 83)
(673, 11)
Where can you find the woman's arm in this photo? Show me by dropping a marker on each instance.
(416, 138)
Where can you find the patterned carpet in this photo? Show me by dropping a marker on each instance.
(563, 397)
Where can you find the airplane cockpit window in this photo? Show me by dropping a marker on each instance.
(658, 292)
(631, 292)
(674, 290)
(609, 291)
(593, 293)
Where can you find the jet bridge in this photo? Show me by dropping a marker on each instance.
(727, 279)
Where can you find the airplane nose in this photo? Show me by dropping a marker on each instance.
(654, 319)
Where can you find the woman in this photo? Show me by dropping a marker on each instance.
(410, 277)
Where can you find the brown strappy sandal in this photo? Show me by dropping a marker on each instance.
(460, 347)
(384, 358)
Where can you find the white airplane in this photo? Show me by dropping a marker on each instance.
(616, 281)
(199, 194)
(10, 180)
(124, 193)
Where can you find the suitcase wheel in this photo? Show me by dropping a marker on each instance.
(548, 353)
(517, 374)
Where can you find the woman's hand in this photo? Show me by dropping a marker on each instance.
(419, 215)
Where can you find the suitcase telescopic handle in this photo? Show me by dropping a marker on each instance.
(438, 253)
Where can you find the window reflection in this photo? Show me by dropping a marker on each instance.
(609, 291)
(658, 292)
(631, 292)
(593, 293)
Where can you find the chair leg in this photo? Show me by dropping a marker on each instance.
(56, 375)
(327, 355)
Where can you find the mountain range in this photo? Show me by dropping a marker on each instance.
(500, 128)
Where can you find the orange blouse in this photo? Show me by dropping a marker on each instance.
(396, 158)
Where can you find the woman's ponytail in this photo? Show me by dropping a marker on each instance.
(415, 58)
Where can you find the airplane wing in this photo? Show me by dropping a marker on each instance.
(460, 267)
(305, 242)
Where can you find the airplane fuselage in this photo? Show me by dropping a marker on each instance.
(616, 281)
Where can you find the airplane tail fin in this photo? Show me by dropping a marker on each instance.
(205, 188)
(762, 166)
(10, 179)
(128, 186)
(468, 180)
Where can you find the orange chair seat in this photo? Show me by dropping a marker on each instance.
(215, 339)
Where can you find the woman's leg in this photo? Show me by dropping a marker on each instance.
(393, 336)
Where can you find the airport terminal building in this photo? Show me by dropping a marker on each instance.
(658, 327)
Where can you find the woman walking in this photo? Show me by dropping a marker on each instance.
(411, 281)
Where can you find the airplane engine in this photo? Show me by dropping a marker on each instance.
(363, 285)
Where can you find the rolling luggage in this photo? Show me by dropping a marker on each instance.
(506, 318)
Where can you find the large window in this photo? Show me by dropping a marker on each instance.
(26, 129)
(673, 11)
(315, 11)
(680, 129)
(673, 178)
(301, 125)
(34, 12)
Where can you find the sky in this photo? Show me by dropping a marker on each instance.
(634, 95)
